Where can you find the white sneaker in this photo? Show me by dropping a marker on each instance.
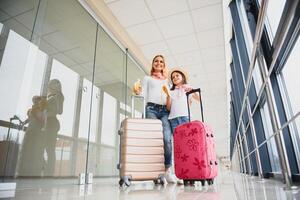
(179, 182)
(170, 178)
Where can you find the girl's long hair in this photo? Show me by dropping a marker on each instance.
(164, 72)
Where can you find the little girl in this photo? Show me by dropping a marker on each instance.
(176, 98)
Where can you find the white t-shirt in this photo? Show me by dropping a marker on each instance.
(152, 90)
(179, 106)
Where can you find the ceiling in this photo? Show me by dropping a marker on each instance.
(190, 34)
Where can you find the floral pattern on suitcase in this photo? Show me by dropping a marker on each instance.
(194, 152)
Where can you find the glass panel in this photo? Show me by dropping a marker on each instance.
(290, 78)
(245, 26)
(19, 15)
(21, 76)
(134, 73)
(66, 75)
(85, 111)
(110, 79)
(274, 12)
(257, 77)
(291, 73)
(47, 88)
(109, 128)
(67, 33)
(272, 149)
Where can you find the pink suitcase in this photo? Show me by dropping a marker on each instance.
(194, 151)
(141, 150)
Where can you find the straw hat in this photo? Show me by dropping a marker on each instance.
(177, 69)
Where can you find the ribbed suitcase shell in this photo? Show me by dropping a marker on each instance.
(141, 149)
(194, 152)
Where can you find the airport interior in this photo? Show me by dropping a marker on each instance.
(73, 75)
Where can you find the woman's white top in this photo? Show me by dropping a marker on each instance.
(179, 106)
(152, 90)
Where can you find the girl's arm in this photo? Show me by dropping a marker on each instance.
(196, 96)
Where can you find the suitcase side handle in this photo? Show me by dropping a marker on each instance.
(201, 106)
(133, 97)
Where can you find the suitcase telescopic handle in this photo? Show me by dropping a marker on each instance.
(133, 97)
(188, 104)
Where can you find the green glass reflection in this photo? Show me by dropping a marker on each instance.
(19, 15)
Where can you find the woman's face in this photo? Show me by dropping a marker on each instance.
(177, 78)
(158, 64)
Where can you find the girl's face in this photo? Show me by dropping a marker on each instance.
(177, 78)
(158, 64)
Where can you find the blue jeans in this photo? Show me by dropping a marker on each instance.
(178, 121)
(155, 111)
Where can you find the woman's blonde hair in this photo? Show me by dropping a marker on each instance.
(164, 71)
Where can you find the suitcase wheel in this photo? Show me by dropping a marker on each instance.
(188, 182)
(192, 183)
(125, 180)
(210, 181)
(161, 180)
(203, 182)
(128, 182)
(121, 182)
(185, 182)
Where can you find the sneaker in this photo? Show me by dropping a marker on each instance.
(170, 178)
(179, 182)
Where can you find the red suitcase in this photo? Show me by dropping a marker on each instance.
(194, 151)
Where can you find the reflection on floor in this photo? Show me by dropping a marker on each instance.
(228, 185)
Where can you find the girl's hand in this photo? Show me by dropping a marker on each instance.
(187, 88)
(166, 90)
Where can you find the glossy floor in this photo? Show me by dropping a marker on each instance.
(228, 185)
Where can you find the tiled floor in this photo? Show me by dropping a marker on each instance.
(228, 185)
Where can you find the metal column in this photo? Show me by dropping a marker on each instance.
(286, 172)
(257, 154)
(247, 149)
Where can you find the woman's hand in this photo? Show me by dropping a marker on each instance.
(137, 87)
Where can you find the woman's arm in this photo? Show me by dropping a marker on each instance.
(167, 92)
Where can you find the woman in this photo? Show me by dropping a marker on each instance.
(156, 108)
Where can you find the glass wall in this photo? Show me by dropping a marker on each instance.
(66, 87)
(274, 100)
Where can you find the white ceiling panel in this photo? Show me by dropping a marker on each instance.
(194, 4)
(145, 33)
(211, 38)
(176, 25)
(166, 7)
(215, 66)
(190, 58)
(183, 44)
(150, 50)
(213, 54)
(130, 12)
(170, 61)
(208, 17)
